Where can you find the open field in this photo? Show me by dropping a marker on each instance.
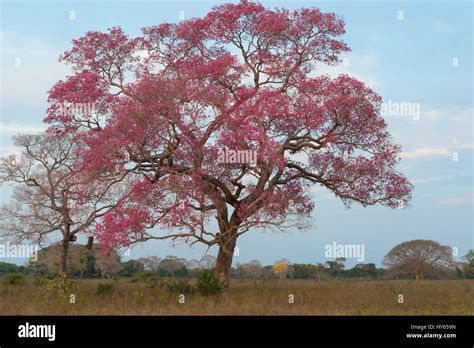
(335, 297)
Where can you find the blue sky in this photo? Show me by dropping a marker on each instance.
(409, 52)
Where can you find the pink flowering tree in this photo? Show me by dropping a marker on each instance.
(241, 81)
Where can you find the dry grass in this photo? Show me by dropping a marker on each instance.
(343, 297)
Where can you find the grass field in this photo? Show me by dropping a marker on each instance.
(335, 297)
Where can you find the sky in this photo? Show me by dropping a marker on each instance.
(417, 54)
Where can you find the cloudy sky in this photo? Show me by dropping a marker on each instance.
(417, 54)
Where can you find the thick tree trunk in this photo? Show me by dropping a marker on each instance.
(63, 259)
(90, 242)
(227, 241)
(224, 260)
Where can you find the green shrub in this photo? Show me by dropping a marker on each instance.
(60, 287)
(14, 279)
(104, 288)
(40, 280)
(180, 286)
(208, 282)
(148, 277)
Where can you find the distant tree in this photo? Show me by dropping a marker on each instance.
(419, 259)
(336, 267)
(363, 270)
(252, 270)
(172, 266)
(284, 260)
(468, 267)
(150, 262)
(192, 264)
(12, 268)
(302, 271)
(280, 269)
(82, 261)
(207, 262)
(52, 194)
(130, 268)
(108, 264)
(49, 260)
(321, 272)
(309, 271)
(287, 262)
(87, 265)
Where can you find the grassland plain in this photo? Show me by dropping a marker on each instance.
(245, 297)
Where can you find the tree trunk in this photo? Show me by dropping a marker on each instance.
(90, 242)
(224, 260)
(63, 260)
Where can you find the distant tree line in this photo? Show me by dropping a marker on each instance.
(417, 259)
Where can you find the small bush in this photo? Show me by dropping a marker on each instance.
(14, 279)
(180, 286)
(208, 282)
(40, 280)
(104, 288)
(148, 277)
(59, 287)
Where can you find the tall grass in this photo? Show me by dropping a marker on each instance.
(269, 297)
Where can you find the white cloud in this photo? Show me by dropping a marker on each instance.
(447, 114)
(466, 146)
(426, 152)
(434, 151)
(12, 128)
(429, 180)
(448, 127)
